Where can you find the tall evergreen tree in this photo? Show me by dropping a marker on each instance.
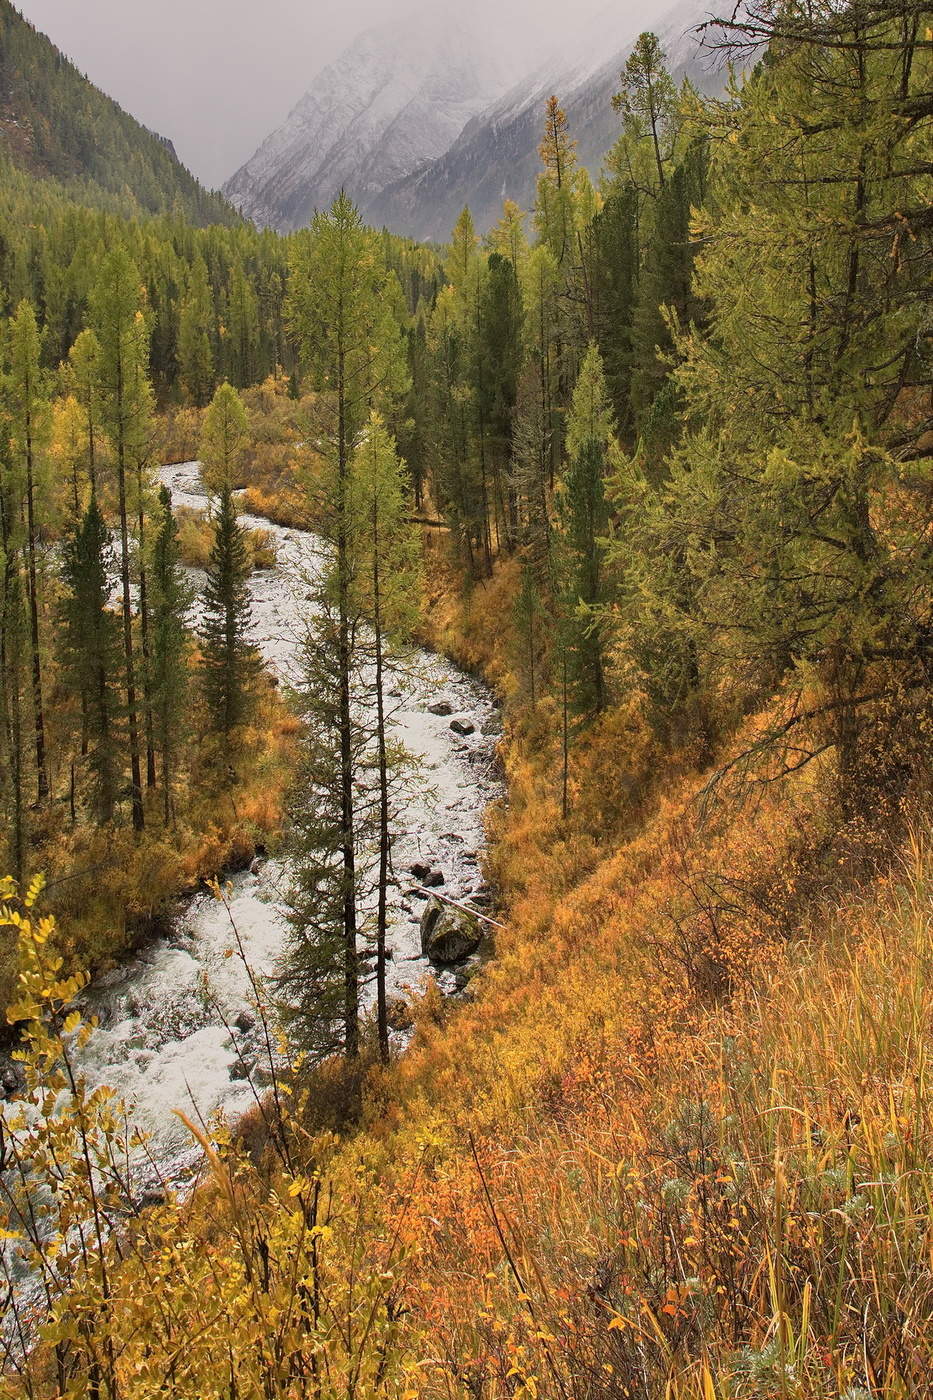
(195, 350)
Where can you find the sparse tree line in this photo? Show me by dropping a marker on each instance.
(97, 673)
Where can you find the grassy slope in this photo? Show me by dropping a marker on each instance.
(677, 1146)
(681, 1136)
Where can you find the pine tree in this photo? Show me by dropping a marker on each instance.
(496, 369)
(648, 100)
(615, 235)
(171, 598)
(229, 663)
(90, 648)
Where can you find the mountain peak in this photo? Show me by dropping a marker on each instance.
(395, 99)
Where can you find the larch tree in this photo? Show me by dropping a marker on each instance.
(14, 661)
(82, 376)
(344, 309)
(91, 649)
(591, 453)
(224, 439)
(28, 408)
(117, 307)
(387, 585)
(171, 599)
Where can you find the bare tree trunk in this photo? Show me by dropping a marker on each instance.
(351, 957)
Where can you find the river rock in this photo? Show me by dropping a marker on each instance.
(244, 1021)
(463, 726)
(448, 935)
(440, 707)
(434, 879)
(420, 870)
(240, 1069)
(399, 1014)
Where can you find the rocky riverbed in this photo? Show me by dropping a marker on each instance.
(178, 1027)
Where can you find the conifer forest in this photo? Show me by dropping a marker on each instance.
(466, 751)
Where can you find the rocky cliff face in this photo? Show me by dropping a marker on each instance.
(395, 100)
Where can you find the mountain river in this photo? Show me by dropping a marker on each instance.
(176, 1025)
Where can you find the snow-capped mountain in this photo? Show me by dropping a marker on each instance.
(496, 155)
(395, 99)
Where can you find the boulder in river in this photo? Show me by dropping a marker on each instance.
(420, 870)
(440, 707)
(434, 879)
(448, 935)
(463, 726)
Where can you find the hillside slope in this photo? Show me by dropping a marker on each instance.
(56, 124)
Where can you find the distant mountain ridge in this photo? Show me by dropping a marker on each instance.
(396, 98)
(399, 122)
(495, 157)
(55, 124)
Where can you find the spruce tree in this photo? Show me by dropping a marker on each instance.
(195, 350)
(229, 662)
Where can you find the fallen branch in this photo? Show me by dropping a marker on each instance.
(434, 894)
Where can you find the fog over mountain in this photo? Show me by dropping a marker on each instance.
(218, 76)
(417, 120)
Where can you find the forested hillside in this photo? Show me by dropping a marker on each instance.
(654, 458)
(55, 123)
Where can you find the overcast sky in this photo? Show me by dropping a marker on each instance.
(218, 75)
